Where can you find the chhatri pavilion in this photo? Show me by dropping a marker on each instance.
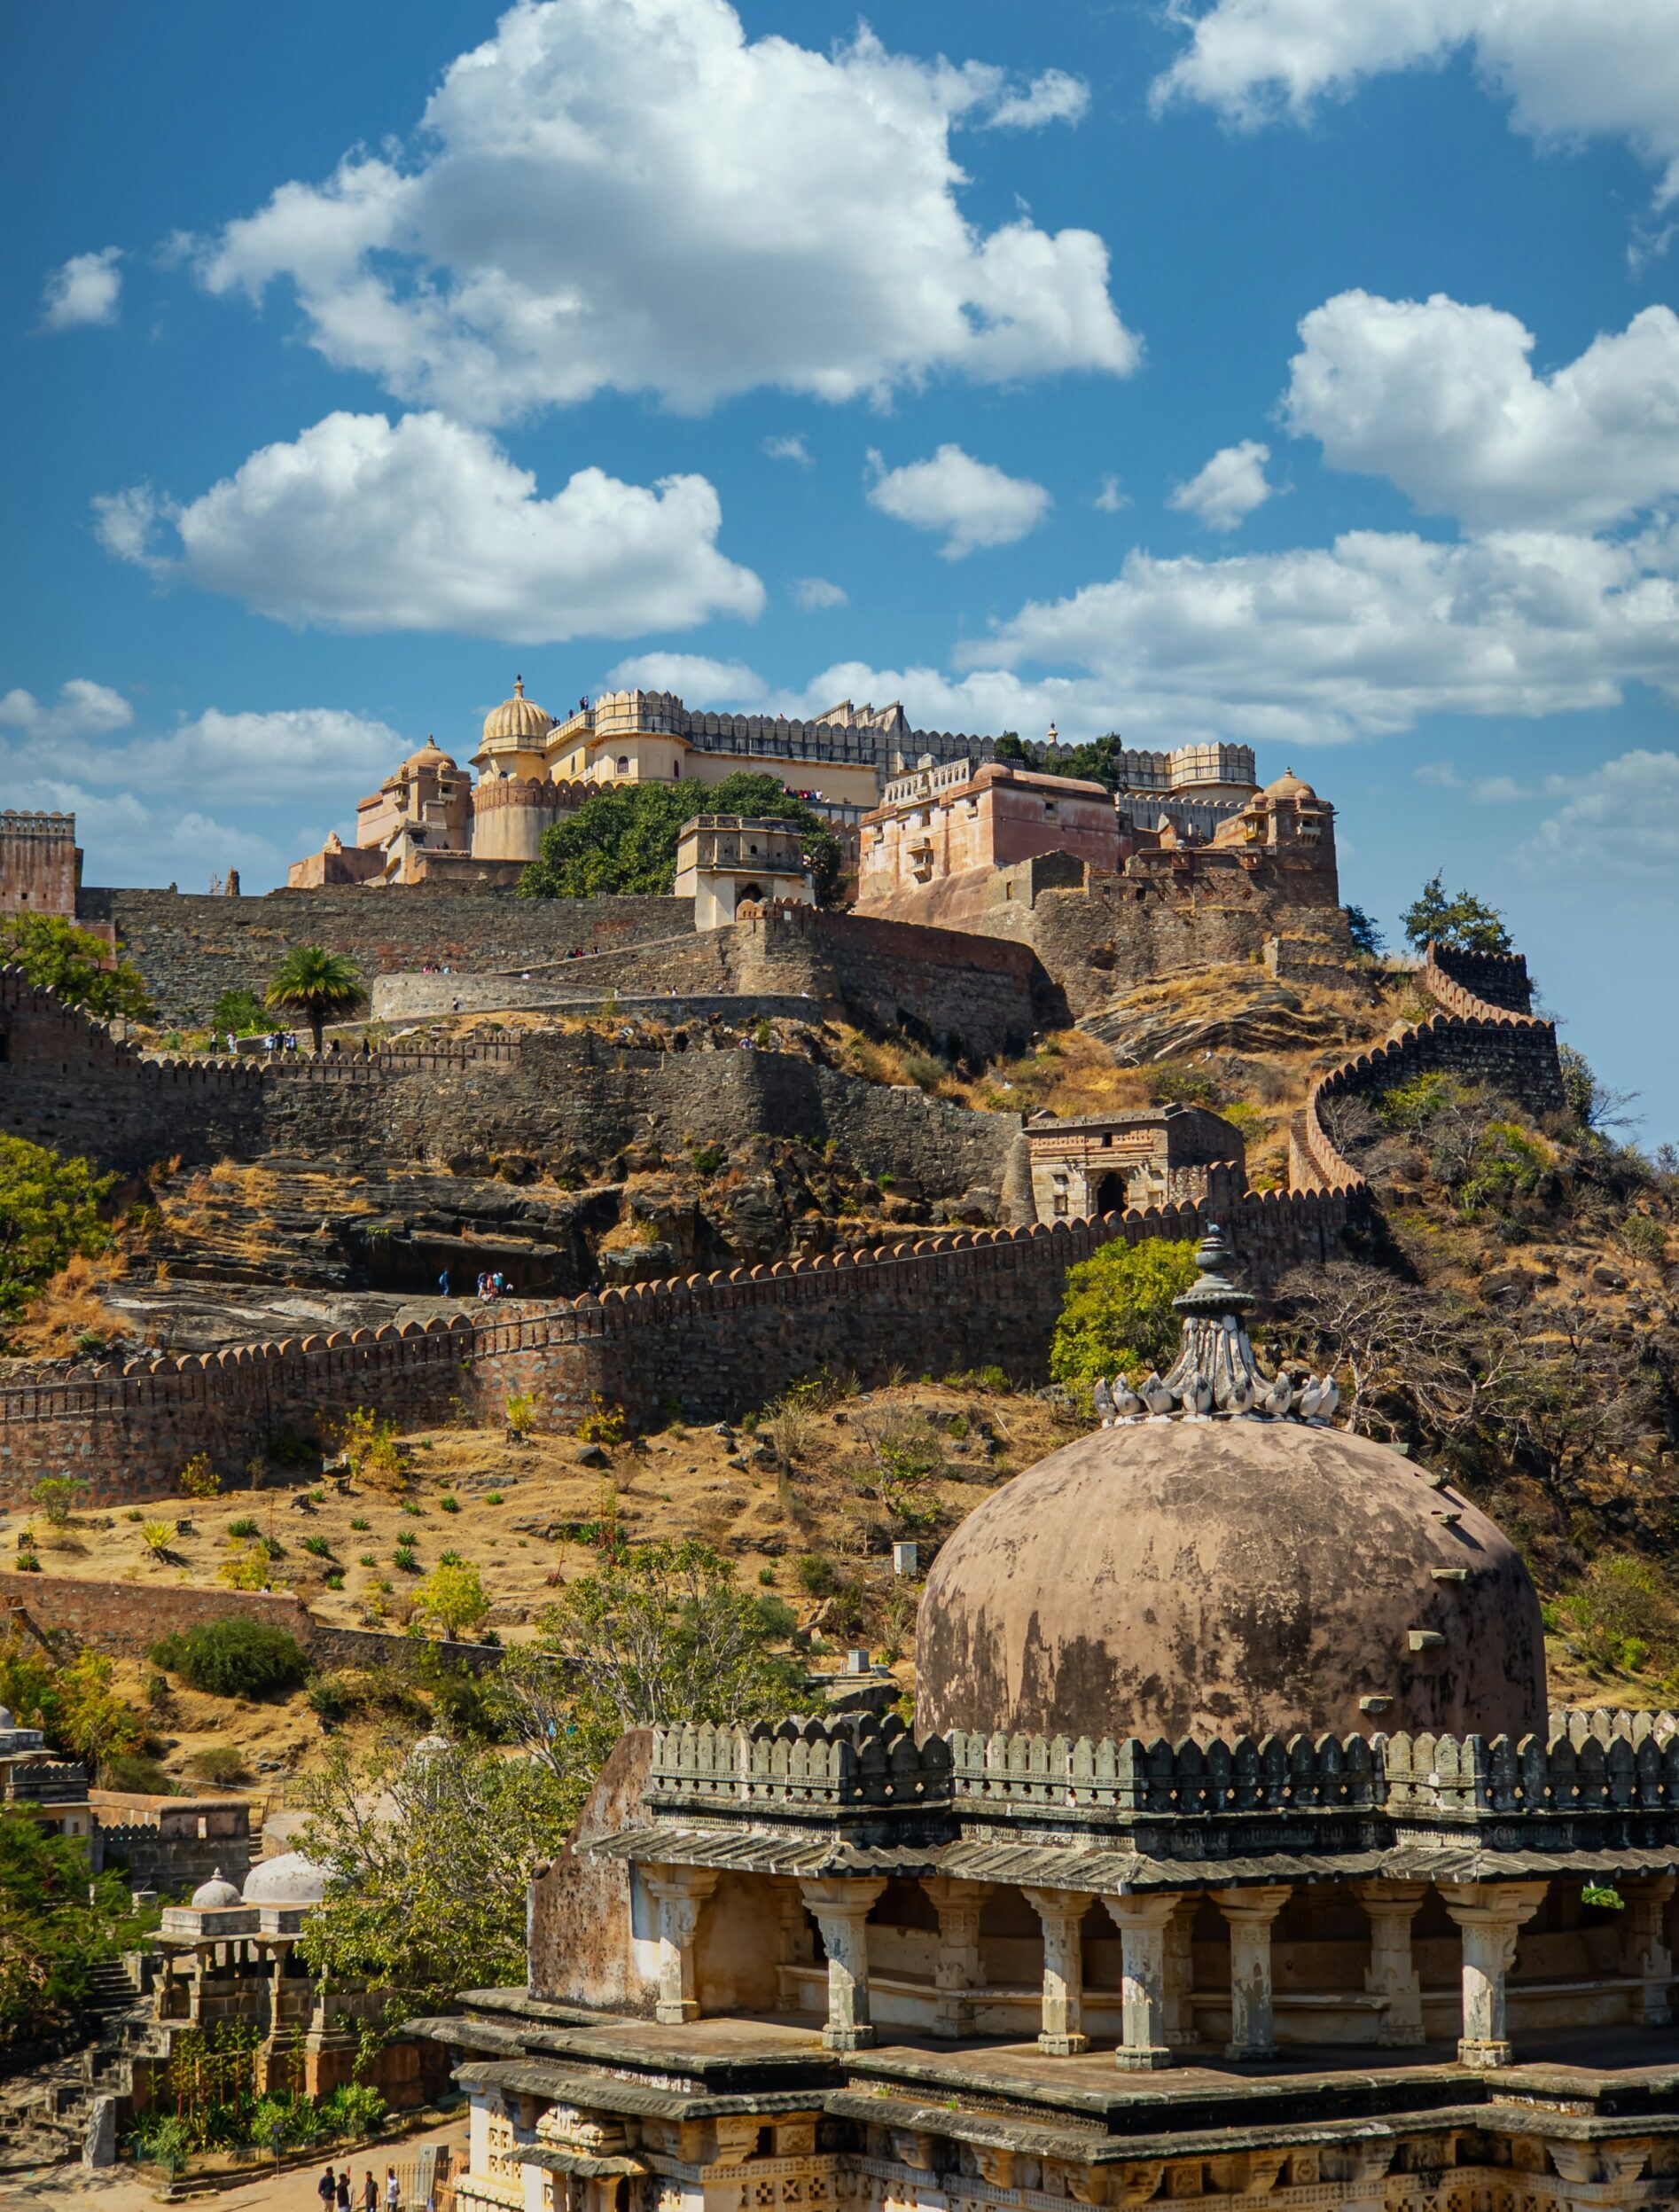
(1233, 1855)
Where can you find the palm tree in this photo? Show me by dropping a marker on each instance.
(317, 984)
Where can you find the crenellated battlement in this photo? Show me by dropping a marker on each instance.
(1486, 1039)
(830, 1772)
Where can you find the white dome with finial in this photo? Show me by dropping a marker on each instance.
(518, 720)
(215, 1895)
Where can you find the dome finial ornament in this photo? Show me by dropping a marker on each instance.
(1215, 1371)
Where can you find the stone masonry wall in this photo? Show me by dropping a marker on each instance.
(127, 1619)
(1118, 934)
(716, 1345)
(64, 1082)
(189, 949)
(1471, 1037)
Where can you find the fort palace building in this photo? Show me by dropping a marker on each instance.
(1232, 1857)
(935, 804)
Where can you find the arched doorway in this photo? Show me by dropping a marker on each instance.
(1109, 1195)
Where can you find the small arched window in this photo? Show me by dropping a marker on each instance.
(623, 764)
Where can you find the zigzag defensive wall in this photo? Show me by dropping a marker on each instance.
(1484, 1033)
(710, 1346)
(713, 1346)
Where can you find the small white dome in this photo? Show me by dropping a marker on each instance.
(289, 1879)
(7, 1720)
(214, 1894)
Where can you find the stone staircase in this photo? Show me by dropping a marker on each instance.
(67, 2108)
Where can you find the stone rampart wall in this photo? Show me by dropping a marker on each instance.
(127, 1619)
(1471, 1037)
(189, 949)
(546, 1097)
(1118, 932)
(715, 1346)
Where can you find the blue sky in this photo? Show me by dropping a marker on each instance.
(1266, 368)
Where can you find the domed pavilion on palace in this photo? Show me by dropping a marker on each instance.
(1233, 1854)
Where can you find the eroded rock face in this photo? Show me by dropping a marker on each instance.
(1218, 1577)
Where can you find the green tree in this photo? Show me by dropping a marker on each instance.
(454, 1595)
(57, 1924)
(1097, 761)
(428, 1855)
(238, 1011)
(49, 1212)
(56, 956)
(622, 840)
(1117, 1310)
(1460, 922)
(71, 1702)
(1364, 931)
(319, 985)
(663, 1632)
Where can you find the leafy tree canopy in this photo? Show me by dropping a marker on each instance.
(430, 1853)
(234, 1657)
(73, 1704)
(49, 1213)
(1364, 931)
(319, 985)
(663, 1632)
(56, 1926)
(1460, 922)
(1117, 1312)
(238, 1011)
(1096, 762)
(622, 842)
(56, 956)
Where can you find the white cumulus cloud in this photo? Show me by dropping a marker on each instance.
(1618, 819)
(813, 593)
(1441, 398)
(86, 289)
(1227, 490)
(788, 448)
(1571, 69)
(1053, 97)
(82, 709)
(634, 195)
(362, 524)
(1361, 637)
(971, 502)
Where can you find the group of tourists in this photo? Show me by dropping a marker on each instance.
(333, 2190)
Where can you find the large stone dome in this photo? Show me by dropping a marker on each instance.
(1210, 1577)
(518, 719)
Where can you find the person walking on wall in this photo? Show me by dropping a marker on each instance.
(344, 2204)
(326, 2189)
(393, 2190)
(370, 2193)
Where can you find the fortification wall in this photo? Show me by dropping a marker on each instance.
(716, 1345)
(556, 1095)
(1471, 1037)
(1494, 978)
(127, 1619)
(189, 949)
(1118, 933)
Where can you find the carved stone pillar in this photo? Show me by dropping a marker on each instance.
(794, 1947)
(1489, 1914)
(1180, 2031)
(1141, 1925)
(678, 1892)
(1062, 1911)
(1391, 1907)
(959, 1967)
(1250, 1913)
(1643, 1951)
(842, 1909)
